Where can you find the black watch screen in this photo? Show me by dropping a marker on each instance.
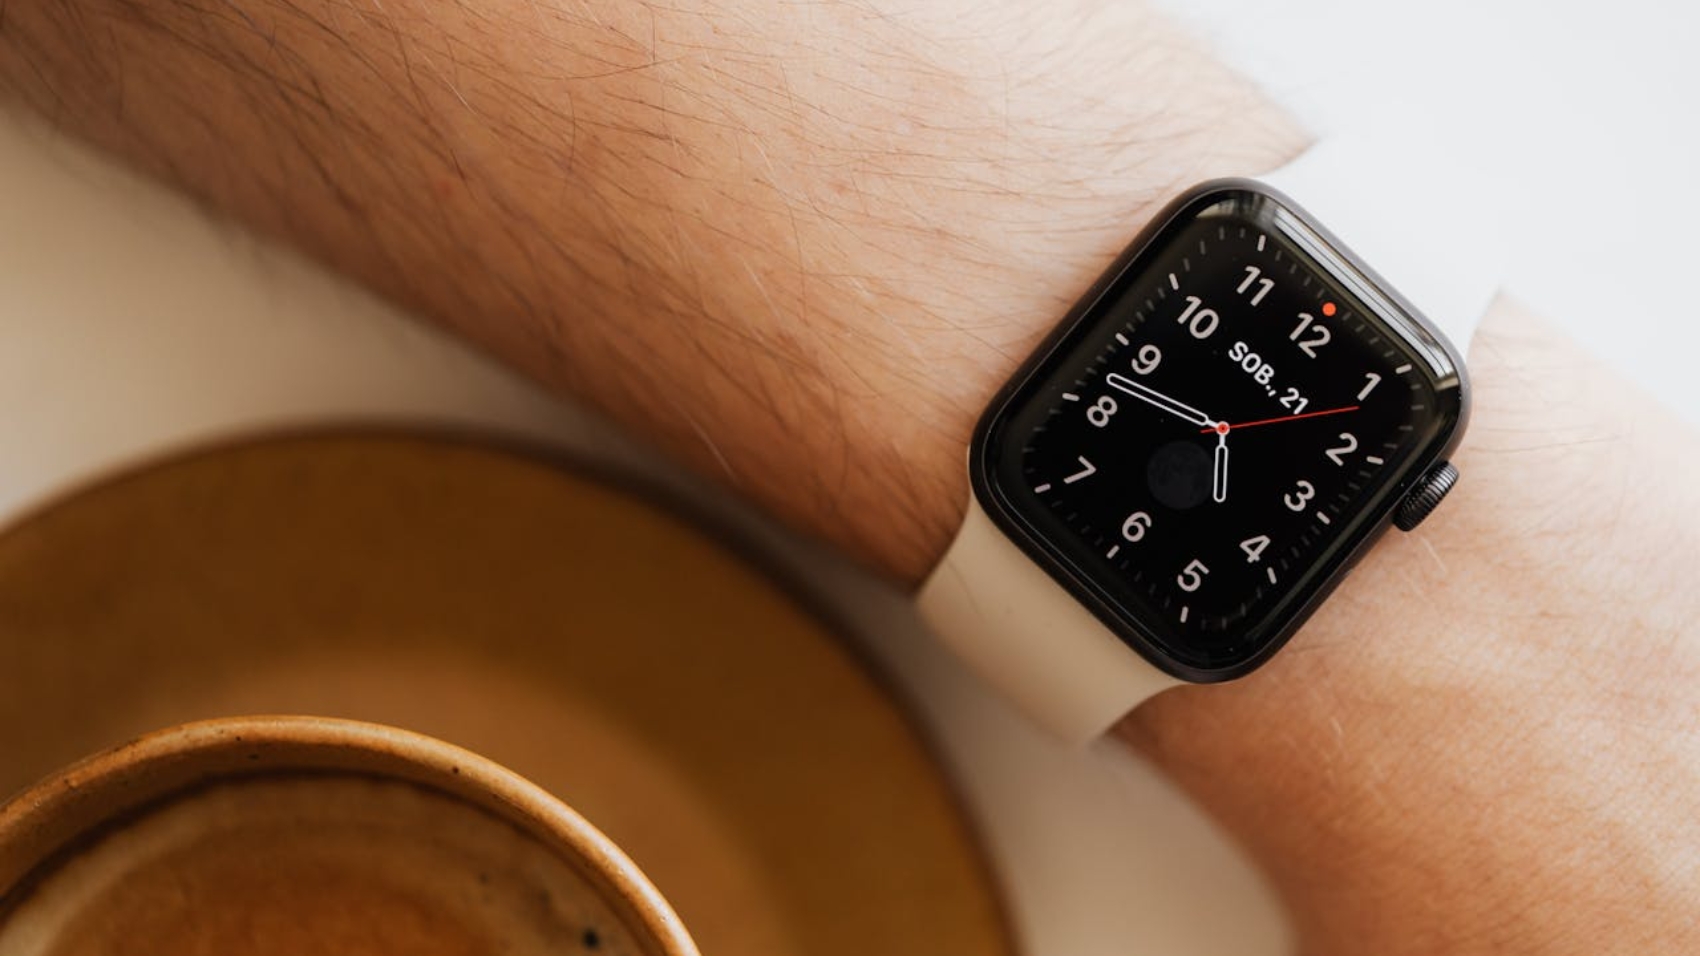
(1217, 430)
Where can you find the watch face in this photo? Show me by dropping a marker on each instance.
(1206, 443)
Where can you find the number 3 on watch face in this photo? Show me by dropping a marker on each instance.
(1208, 441)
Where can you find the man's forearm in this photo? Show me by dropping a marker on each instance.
(799, 245)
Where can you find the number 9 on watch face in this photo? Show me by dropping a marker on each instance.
(1213, 435)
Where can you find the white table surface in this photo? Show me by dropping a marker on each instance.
(131, 327)
(1586, 113)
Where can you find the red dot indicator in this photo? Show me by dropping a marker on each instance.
(1327, 308)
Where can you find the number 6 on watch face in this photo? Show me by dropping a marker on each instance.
(1234, 331)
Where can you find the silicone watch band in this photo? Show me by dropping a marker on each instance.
(1019, 629)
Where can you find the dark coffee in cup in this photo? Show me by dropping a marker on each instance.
(334, 838)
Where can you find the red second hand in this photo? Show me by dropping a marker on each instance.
(1283, 418)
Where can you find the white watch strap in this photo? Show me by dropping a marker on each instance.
(1000, 612)
(1015, 625)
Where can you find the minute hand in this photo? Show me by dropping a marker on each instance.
(1118, 381)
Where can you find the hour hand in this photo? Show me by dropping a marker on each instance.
(1120, 382)
(1219, 471)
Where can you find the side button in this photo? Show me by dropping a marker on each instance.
(1425, 496)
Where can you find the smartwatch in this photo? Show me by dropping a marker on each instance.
(1182, 472)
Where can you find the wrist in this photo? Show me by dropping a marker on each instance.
(1484, 696)
(1031, 155)
(906, 236)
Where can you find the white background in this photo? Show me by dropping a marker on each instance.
(1586, 114)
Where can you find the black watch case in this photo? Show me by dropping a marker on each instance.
(1219, 429)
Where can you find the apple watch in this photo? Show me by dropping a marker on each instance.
(1174, 481)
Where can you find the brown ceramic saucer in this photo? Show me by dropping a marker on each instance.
(583, 637)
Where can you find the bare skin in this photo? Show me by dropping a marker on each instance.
(799, 245)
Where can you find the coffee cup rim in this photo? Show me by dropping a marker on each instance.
(52, 818)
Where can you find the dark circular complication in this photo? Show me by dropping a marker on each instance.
(1208, 442)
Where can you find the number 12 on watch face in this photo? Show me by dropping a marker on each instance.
(1207, 443)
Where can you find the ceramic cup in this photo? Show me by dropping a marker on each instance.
(265, 836)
